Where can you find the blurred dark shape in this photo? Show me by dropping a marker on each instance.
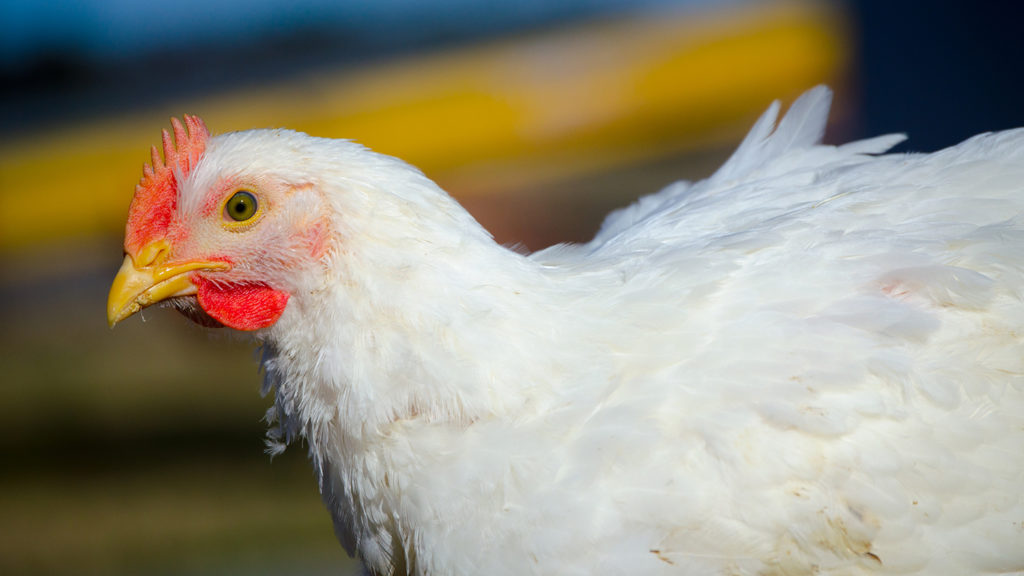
(73, 77)
(939, 71)
(60, 84)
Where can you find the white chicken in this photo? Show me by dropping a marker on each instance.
(809, 363)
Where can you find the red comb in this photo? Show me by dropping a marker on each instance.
(156, 195)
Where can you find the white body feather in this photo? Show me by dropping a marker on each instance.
(810, 363)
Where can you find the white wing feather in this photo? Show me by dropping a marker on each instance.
(847, 355)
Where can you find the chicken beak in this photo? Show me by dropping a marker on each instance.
(146, 280)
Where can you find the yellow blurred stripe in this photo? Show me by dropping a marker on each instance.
(544, 106)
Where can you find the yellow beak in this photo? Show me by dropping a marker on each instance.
(147, 280)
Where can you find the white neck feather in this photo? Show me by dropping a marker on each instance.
(406, 321)
(402, 343)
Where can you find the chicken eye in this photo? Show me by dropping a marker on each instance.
(241, 206)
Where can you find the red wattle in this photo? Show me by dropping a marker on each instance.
(241, 306)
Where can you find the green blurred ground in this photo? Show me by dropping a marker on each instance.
(138, 450)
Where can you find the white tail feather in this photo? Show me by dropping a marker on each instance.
(802, 127)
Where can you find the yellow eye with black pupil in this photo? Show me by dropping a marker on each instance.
(241, 206)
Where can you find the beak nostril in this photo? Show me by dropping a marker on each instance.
(151, 254)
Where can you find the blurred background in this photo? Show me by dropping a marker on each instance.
(139, 450)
